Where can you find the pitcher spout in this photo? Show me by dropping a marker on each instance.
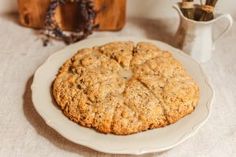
(176, 7)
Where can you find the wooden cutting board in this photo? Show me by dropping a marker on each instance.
(111, 14)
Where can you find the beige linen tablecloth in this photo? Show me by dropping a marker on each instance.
(23, 133)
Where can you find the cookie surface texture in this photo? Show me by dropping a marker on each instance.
(124, 88)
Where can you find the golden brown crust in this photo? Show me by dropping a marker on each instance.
(122, 89)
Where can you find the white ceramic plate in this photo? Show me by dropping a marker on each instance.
(155, 140)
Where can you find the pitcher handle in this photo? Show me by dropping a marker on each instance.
(229, 19)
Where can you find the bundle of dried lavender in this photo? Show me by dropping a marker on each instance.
(86, 22)
(187, 8)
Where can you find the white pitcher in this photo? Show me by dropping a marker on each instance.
(196, 37)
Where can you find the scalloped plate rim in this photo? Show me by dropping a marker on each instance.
(100, 148)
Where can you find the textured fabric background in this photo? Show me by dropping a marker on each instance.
(137, 8)
(23, 133)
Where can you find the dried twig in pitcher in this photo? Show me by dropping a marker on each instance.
(207, 10)
(187, 8)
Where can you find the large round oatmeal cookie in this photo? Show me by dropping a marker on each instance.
(123, 88)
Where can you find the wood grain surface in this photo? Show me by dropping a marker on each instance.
(111, 14)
